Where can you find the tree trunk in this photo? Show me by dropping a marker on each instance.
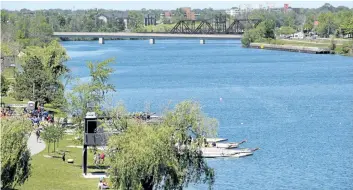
(54, 146)
(48, 147)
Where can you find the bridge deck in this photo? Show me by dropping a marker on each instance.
(145, 35)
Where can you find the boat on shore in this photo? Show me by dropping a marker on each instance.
(220, 152)
(229, 145)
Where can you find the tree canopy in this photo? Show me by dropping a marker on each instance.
(163, 156)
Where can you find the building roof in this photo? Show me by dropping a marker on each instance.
(120, 14)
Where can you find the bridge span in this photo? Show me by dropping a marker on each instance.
(151, 36)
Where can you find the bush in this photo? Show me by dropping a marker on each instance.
(15, 155)
(5, 85)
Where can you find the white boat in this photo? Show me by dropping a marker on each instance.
(220, 152)
(211, 140)
(229, 145)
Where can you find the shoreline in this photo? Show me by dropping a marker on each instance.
(291, 48)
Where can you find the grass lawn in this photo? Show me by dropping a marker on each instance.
(53, 173)
(10, 100)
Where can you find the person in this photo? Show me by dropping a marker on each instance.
(102, 157)
(102, 184)
(98, 158)
(38, 134)
(95, 158)
(63, 157)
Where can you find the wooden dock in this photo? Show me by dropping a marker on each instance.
(301, 49)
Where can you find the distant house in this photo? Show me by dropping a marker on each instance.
(299, 35)
(7, 61)
(109, 16)
(188, 14)
(166, 17)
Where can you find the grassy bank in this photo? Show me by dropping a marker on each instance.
(53, 173)
(345, 48)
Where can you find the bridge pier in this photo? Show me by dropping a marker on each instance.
(202, 41)
(101, 41)
(152, 41)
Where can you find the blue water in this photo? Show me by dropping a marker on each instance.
(298, 108)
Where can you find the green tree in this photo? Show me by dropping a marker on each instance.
(94, 91)
(35, 83)
(264, 30)
(326, 25)
(15, 155)
(52, 133)
(4, 85)
(136, 20)
(162, 156)
(286, 30)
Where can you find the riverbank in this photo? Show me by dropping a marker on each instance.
(291, 48)
(337, 46)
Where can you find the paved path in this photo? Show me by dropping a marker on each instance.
(34, 146)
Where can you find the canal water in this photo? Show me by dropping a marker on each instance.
(298, 108)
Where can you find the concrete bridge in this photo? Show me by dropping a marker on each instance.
(151, 36)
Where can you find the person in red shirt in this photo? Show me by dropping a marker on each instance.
(102, 157)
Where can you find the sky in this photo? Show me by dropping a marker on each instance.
(166, 5)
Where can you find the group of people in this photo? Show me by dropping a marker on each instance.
(98, 158)
(39, 115)
(6, 112)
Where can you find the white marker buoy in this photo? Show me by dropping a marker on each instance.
(220, 99)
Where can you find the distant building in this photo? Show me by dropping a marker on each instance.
(166, 17)
(299, 35)
(188, 13)
(285, 7)
(7, 61)
(234, 11)
(108, 17)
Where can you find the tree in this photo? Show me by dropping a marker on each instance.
(94, 91)
(15, 155)
(35, 83)
(42, 73)
(52, 133)
(326, 25)
(120, 25)
(286, 30)
(52, 58)
(162, 156)
(262, 31)
(4, 85)
(48, 135)
(135, 21)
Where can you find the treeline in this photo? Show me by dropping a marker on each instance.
(326, 21)
(39, 58)
(330, 20)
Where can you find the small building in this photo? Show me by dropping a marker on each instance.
(7, 61)
(110, 16)
(299, 35)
